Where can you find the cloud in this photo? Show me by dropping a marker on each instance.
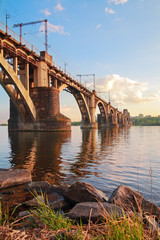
(99, 25)
(59, 7)
(54, 28)
(46, 12)
(72, 112)
(109, 10)
(120, 1)
(124, 90)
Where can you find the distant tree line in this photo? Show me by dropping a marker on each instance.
(75, 123)
(153, 121)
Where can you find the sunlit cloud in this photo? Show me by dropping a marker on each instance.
(99, 25)
(59, 7)
(109, 10)
(46, 12)
(124, 90)
(120, 1)
(54, 28)
(72, 112)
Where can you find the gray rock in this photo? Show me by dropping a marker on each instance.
(127, 198)
(83, 192)
(60, 189)
(34, 202)
(60, 205)
(94, 211)
(41, 186)
(23, 214)
(46, 187)
(14, 177)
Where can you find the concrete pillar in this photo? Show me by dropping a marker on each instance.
(115, 117)
(24, 76)
(42, 75)
(49, 81)
(35, 77)
(54, 82)
(92, 108)
(15, 64)
(1, 51)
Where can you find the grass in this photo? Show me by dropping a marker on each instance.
(6, 217)
(48, 223)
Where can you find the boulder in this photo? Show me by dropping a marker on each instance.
(94, 211)
(127, 198)
(60, 204)
(57, 202)
(23, 214)
(60, 189)
(34, 202)
(46, 187)
(84, 192)
(14, 177)
(41, 186)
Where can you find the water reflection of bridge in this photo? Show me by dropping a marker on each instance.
(51, 156)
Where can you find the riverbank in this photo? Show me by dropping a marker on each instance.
(145, 121)
(78, 211)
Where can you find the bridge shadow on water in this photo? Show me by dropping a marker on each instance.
(59, 157)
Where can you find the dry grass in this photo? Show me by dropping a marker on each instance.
(44, 223)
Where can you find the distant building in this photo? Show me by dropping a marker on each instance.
(140, 115)
(158, 116)
(148, 116)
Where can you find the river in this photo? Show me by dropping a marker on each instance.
(104, 158)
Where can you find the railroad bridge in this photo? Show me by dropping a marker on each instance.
(33, 82)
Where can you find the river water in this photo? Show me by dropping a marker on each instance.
(104, 158)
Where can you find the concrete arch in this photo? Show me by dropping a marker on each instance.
(84, 109)
(18, 93)
(103, 111)
(81, 101)
(62, 87)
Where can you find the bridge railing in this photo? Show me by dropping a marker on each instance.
(16, 37)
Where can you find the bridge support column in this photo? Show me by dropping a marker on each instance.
(24, 76)
(15, 64)
(49, 118)
(47, 105)
(92, 110)
(1, 51)
(54, 83)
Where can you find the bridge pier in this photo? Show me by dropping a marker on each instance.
(92, 110)
(49, 118)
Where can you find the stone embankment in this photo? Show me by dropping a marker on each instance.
(81, 200)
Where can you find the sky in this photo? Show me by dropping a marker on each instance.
(117, 40)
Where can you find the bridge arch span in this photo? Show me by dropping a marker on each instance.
(103, 111)
(15, 89)
(81, 101)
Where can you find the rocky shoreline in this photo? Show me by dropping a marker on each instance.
(80, 200)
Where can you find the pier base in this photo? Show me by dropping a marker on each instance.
(49, 118)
